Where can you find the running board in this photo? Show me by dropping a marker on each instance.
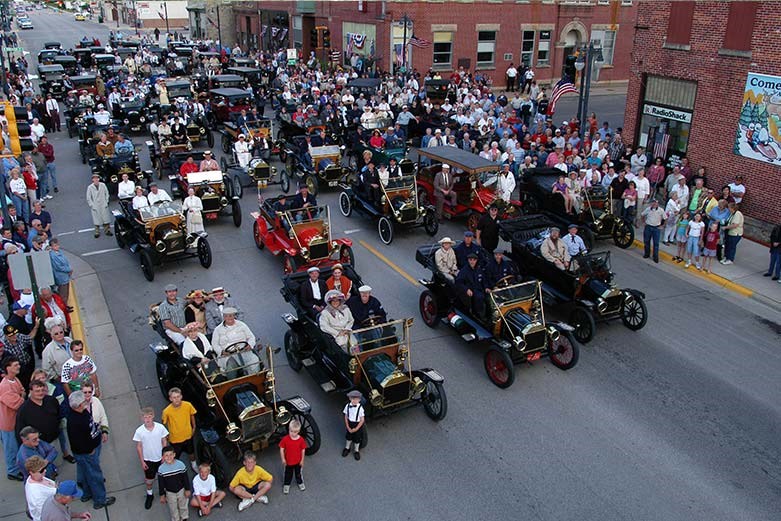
(308, 362)
(328, 386)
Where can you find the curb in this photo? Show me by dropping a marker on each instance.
(710, 277)
(77, 326)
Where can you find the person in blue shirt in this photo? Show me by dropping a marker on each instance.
(466, 248)
(470, 285)
(33, 445)
(605, 131)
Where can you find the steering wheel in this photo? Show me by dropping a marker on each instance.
(505, 281)
(235, 348)
(370, 321)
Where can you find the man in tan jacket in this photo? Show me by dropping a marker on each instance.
(554, 250)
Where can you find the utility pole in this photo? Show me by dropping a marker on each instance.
(405, 19)
(167, 29)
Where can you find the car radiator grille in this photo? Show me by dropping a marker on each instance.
(211, 203)
(397, 393)
(535, 339)
(614, 303)
(409, 215)
(175, 242)
(319, 250)
(261, 172)
(258, 426)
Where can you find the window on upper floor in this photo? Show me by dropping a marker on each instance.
(543, 48)
(607, 40)
(486, 48)
(679, 27)
(443, 50)
(740, 26)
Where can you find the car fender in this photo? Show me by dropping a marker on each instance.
(344, 242)
(561, 326)
(636, 292)
(296, 403)
(428, 374)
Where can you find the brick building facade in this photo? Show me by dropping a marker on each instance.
(691, 64)
(486, 36)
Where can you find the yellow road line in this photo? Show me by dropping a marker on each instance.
(77, 328)
(710, 277)
(390, 263)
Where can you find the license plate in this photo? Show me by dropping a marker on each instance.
(333, 183)
(534, 356)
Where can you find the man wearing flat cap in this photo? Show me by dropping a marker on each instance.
(468, 246)
(229, 332)
(171, 313)
(364, 306)
(311, 293)
(218, 300)
(470, 286)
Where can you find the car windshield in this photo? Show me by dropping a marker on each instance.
(592, 263)
(308, 215)
(179, 92)
(161, 209)
(405, 182)
(381, 335)
(512, 294)
(236, 361)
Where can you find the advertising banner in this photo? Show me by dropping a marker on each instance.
(758, 135)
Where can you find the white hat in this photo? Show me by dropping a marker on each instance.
(443, 240)
(365, 289)
(242, 136)
(445, 165)
(229, 311)
(437, 131)
(313, 268)
(333, 294)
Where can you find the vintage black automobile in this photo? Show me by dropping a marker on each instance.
(158, 233)
(439, 90)
(316, 166)
(398, 207)
(68, 63)
(586, 289)
(252, 75)
(596, 214)
(214, 188)
(378, 363)
(74, 116)
(51, 80)
(110, 170)
(131, 115)
(46, 56)
(237, 402)
(225, 103)
(514, 322)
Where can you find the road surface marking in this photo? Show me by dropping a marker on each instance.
(85, 230)
(65, 233)
(98, 252)
(387, 261)
(356, 230)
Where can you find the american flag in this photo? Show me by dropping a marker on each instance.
(562, 87)
(419, 42)
(661, 144)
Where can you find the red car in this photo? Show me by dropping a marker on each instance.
(302, 235)
(226, 104)
(472, 198)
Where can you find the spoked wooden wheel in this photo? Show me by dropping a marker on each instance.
(499, 367)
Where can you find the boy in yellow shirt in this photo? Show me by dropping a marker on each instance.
(251, 482)
(179, 419)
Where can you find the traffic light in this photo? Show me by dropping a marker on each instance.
(19, 130)
(326, 38)
(314, 41)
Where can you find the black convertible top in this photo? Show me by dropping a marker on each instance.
(364, 83)
(521, 229)
(459, 158)
(231, 92)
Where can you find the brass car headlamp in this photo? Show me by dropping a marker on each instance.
(418, 385)
(554, 334)
(305, 252)
(601, 305)
(520, 343)
(211, 398)
(628, 298)
(160, 246)
(232, 432)
(376, 398)
(283, 415)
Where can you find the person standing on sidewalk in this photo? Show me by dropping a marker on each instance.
(85, 439)
(733, 234)
(150, 439)
(37, 488)
(174, 485)
(11, 398)
(179, 419)
(292, 450)
(61, 268)
(57, 507)
(512, 77)
(53, 111)
(775, 254)
(97, 200)
(653, 217)
(47, 150)
(43, 175)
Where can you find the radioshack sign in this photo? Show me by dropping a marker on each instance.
(661, 112)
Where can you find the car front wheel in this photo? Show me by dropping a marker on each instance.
(435, 400)
(499, 367)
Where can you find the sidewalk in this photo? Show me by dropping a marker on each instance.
(118, 459)
(744, 277)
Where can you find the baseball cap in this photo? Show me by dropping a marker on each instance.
(69, 488)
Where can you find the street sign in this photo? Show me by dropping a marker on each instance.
(14, 49)
(292, 56)
(41, 266)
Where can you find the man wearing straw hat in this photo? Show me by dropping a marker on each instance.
(445, 259)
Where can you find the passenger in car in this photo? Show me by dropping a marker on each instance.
(337, 320)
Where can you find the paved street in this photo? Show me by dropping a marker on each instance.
(679, 421)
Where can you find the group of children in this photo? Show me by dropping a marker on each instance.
(160, 446)
(694, 239)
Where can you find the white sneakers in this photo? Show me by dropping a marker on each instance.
(263, 499)
(245, 504)
(301, 487)
(286, 489)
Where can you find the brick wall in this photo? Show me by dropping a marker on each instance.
(721, 80)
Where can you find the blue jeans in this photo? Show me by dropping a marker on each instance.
(10, 448)
(90, 477)
(51, 169)
(731, 246)
(43, 183)
(651, 233)
(22, 208)
(775, 262)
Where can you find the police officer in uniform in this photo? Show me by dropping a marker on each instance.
(470, 286)
(498, 268)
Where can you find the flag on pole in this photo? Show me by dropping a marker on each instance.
(660, 147)
(398, 53)
(562, 87)
(419, 42)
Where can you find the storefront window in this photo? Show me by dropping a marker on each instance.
(667, 112)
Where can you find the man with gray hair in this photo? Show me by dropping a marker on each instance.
(57, 507)
(85, 439)
(554, 250)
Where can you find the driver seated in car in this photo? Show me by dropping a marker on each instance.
(157, 194)
(337, 320)
(179, 131)
(321, 139)
(232, 331)
(86, 99)
(554, 250)
(164, 130)
(123, 147)
(208, 164)
(383, 174)
(573, 242)
(242, 149)
(470, 286)
(364, 307)
(498, 268)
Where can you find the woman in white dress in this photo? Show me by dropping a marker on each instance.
(337, 320)
(193, 207)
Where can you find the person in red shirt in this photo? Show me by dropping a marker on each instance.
(711, 243)
(188, 167)
(292, 449)
(53, 305)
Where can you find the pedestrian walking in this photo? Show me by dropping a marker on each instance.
(57, 507)
(150, 439)
(179, 418)
(11, 399)
(97, 200)
(61, 269)
(775, 254)
(653, 217)
(85, 439)
(292, 450)
(174, 485)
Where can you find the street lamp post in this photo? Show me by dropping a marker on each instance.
(590, 57)
(405, 20)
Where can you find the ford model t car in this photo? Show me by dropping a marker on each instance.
(159, 234)
(215, 190)
(51, 80)
(398, 207)
(236, 398)
(586, 287)
(303, 236)
(514, 322)
(378, 362)
(596, 213)
(316, 166)
(469, 170)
